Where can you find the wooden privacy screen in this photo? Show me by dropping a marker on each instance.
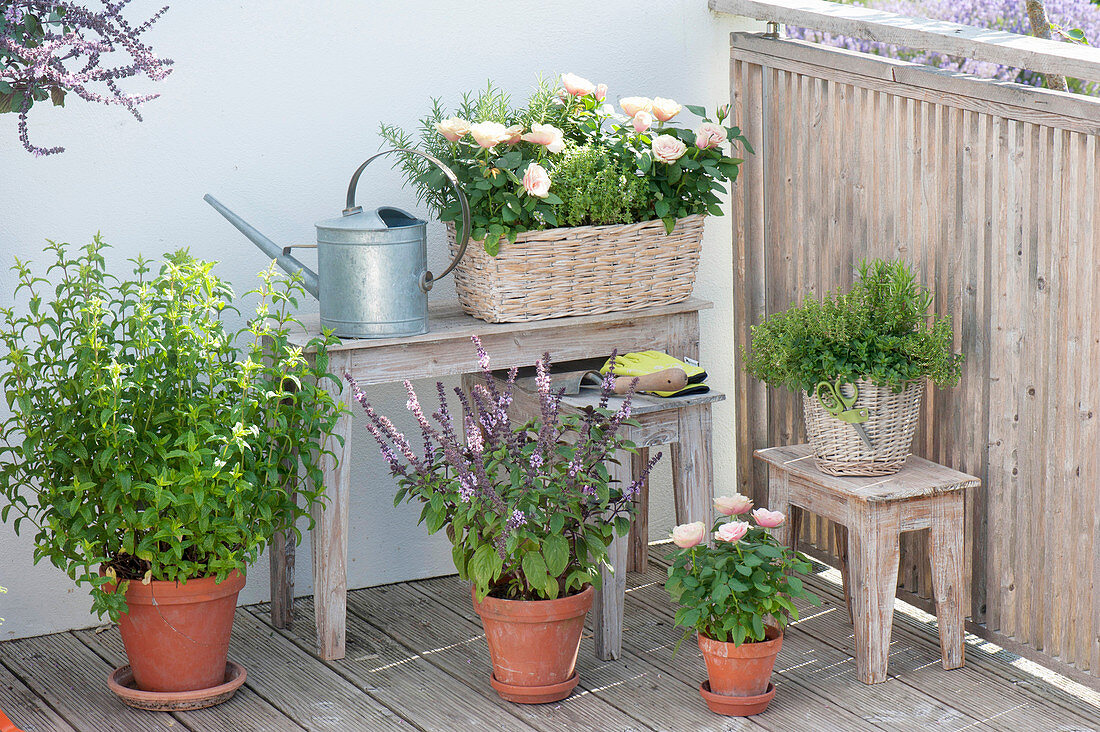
(990, 190)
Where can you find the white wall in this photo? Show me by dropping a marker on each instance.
(271, 107)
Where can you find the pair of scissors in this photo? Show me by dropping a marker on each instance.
(840, 404)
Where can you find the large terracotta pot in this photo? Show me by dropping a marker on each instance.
(179, 642)
(533, 645)
(739, 676)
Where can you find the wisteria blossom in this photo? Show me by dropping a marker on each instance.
(78, 50)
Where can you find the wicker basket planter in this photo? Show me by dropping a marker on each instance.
(893, 421)
(583, 270)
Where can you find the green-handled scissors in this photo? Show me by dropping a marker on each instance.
(840, 405)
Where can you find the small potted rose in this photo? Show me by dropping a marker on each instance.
(738, 594)
(530, 509)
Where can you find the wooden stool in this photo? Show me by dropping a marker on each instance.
(874, 511)
(684, 423)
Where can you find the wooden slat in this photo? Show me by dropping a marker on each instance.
(981, 44)
(26, 709)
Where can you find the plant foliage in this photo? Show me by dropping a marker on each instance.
(881, 330)
(139, 438)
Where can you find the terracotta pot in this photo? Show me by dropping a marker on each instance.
(741, 670)
(533, 645)
(181, 642)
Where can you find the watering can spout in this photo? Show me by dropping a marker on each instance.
(287, 261)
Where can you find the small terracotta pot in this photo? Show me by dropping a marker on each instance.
(179, 642)
(741, 670)
(533, 645)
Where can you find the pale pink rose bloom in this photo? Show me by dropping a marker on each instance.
(768, 519)
(601, 92)
(643, 120)
(686, 536)
(515, 133)
(453, 128)
(668, 149)
(732, 532)
(536, 181)
(548, 135)
(709, 135)
(631, 105)
(665, 109)
(489, 134)
(577, 86)
(732, 505)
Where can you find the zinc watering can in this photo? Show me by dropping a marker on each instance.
(372, 266)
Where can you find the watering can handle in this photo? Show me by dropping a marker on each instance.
(427, 279)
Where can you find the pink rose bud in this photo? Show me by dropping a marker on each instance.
(768, 519)
(577, 86)
(631, 105)
(686, 536)
(668, 149)
(709, 135)
(453, 129)
(665, 109)
(723, 112)
(732, 532)
(732, 505)
(601, 92)
(643, 120)
(536, 181)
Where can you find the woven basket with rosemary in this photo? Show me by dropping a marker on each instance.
(891, 424)
(581, 270)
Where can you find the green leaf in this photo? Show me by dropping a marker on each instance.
(534, 569)
(556, 550)
(696, 110)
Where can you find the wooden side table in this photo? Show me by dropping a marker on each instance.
(874, 512)
(683, 423)
(444, 351)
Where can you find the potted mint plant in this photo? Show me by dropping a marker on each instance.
(154, 449)
(530, 510)
(737, 594)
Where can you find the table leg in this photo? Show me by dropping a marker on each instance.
(945, 543)
(330, 533)
(281, 549)
(779, 499)
(841, 540)
(692, 466)
(608, 604)
(873, 554)
(638, 558)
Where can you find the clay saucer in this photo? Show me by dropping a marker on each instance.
(534, 694)
(121, 682)
(736, 706)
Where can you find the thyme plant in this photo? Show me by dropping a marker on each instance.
(145, 437)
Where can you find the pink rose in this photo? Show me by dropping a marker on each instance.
(515, 134)
(489, 134)
(668, 149)
(536, 181)
(686, 536)
(601, 92)
(709, 135)
(732, 505)
(548, 135)
(577, 86)
(665, 109)
(643, 120)
(631, 105)
(768, 519)
(732, 532)
(453, 129)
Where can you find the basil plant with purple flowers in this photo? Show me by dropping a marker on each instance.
(530, 508)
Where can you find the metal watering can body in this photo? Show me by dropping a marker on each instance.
(372, 276)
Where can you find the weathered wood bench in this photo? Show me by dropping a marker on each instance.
(874, 511)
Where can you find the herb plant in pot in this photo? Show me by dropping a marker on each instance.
(861, 359)
(530, 511)
(151, 451)
(737, 594)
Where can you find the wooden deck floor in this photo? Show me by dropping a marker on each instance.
(417, 660)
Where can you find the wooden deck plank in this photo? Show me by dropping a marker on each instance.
(26, 709)
(395, 675)
(245, 712)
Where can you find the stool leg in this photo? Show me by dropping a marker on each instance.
(608, 603)
(638, 558)
(873, 570)
(945, 544)
(692, 467)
